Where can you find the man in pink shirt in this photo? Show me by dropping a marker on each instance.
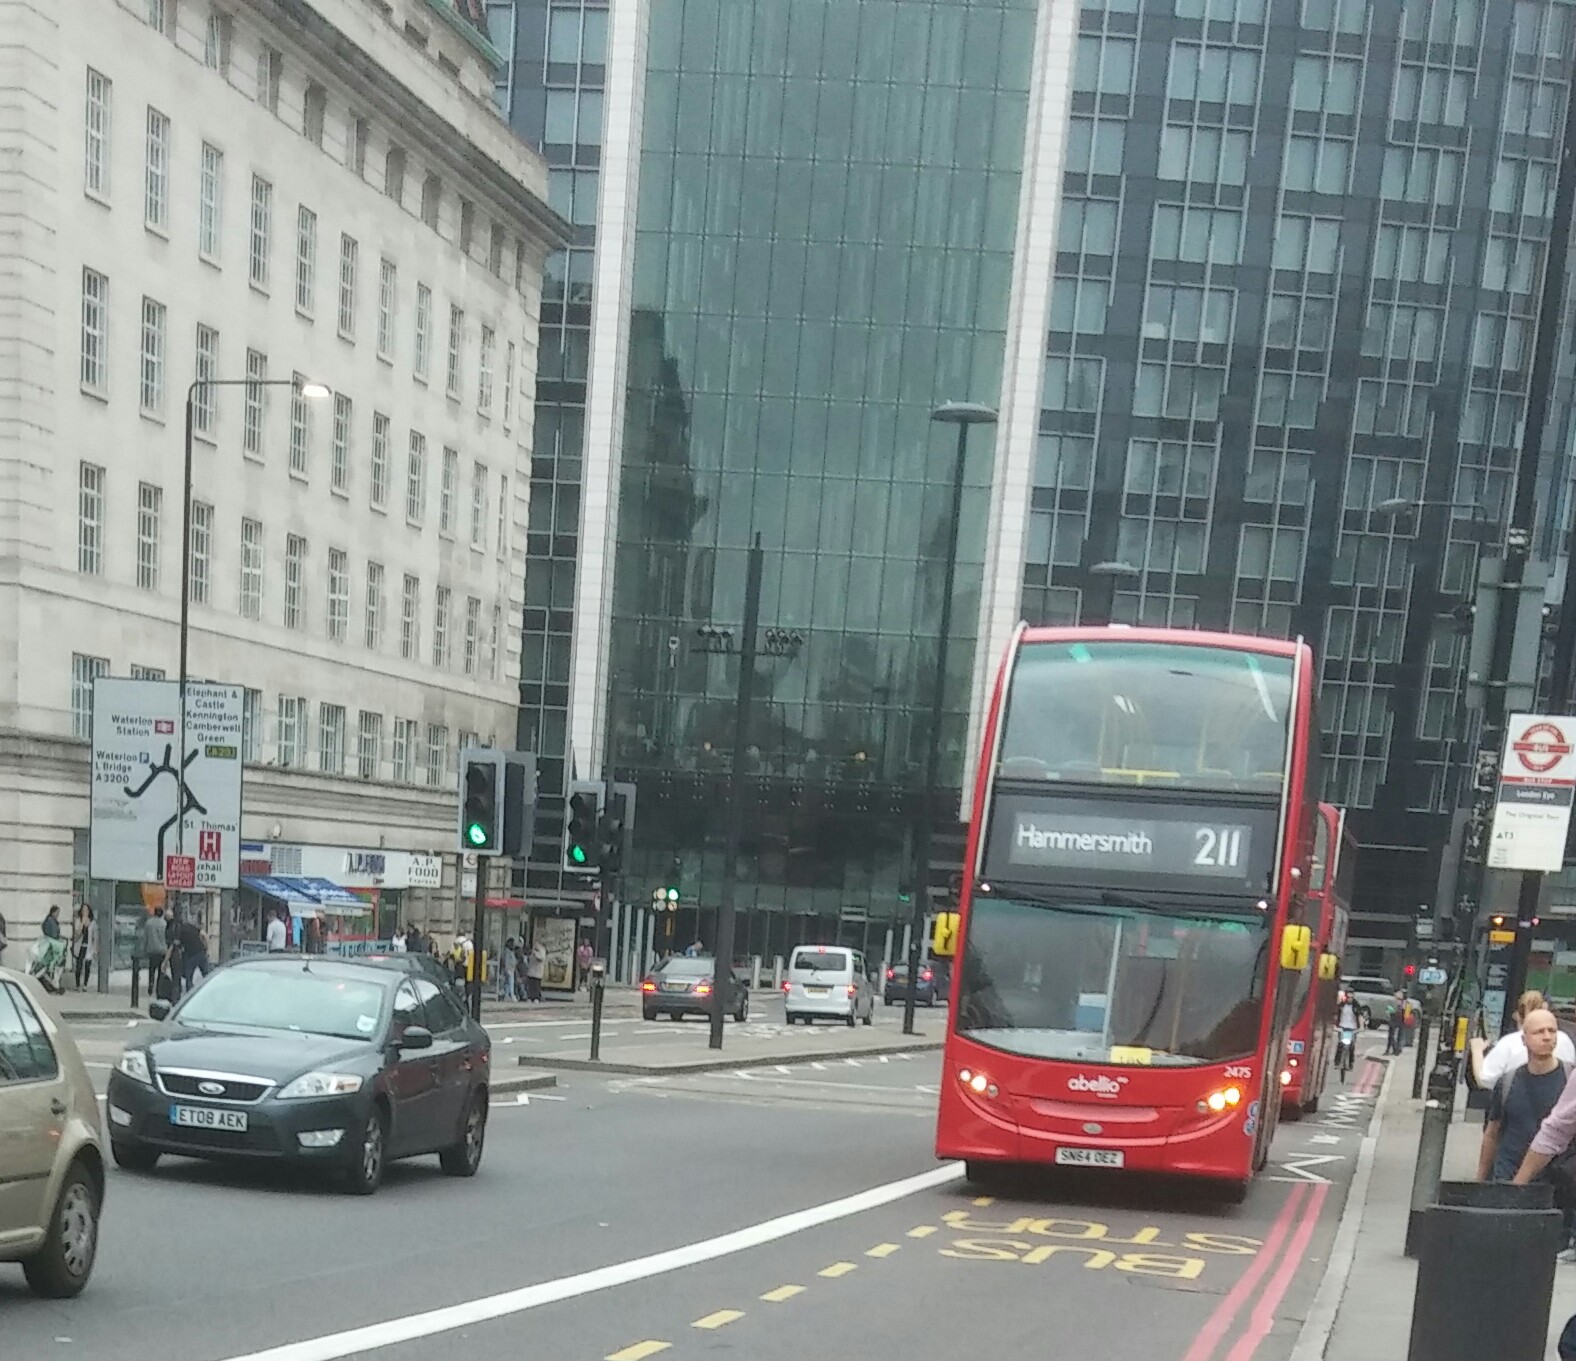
(1553, 1138)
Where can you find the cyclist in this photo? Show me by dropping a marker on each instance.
(1347, 1024)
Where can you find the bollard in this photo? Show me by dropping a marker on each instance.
(1425, 1175)
(1420, 1066)
(755, 973)
(1485, 1241)
(136, 984)
(596, 986)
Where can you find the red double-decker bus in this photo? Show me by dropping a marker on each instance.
(1131, 916)
(1310, 1039)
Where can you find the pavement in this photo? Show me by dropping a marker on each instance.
(1364, 1310)
(766, 1212)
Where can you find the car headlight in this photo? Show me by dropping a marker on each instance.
(321, 1084)
(134, 1064)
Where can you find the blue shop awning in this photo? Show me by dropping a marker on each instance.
(307, 897)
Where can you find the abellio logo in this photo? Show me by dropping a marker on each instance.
(1096, 1086)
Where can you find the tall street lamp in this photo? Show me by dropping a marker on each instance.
(962, 415)
(312, 392)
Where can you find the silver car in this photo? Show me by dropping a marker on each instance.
(51, 1147)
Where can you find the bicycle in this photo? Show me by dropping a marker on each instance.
(1346, 1053)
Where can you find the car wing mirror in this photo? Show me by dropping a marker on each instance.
(158, 1009)
(415, 1037)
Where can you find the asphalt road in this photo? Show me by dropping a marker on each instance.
(765, 1214)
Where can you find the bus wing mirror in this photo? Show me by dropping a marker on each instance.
(1296, 943)
(1329, 967)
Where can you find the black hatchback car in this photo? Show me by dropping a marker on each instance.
(681, 986)
(894, 989)
(341, 1064)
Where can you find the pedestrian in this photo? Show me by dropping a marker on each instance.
(51, 924)
(194, 954)
(693, 951)
(1409, 1017)
(535, 967)
(1521, 1099)
(1395, 1017)
(583, 957)
(154, 949)
(397, 943)
(276, 936)
(506, 970)
(172, 949)
(1510, 1051)
(414, 944)
(82, 946)
(1549, 1154)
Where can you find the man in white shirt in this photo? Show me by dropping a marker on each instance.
(1509, 1052)
(276, 933)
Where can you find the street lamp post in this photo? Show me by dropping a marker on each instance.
(962, 415)
(312, 391)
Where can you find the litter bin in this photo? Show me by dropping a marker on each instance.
(1485, 1242)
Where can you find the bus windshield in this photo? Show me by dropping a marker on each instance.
(1111, 985)
(1168, 715)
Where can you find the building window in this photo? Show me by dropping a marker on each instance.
(410, 618)
(360, 134)
(387, 280)
(84, 671)
(270, 72)
(503, 514)
(146, 672)
(484, 374)
(456, 339)
(251, 569)
(495, 249)
(431, 199)
(394, 174)
(150, 506)
(446, 480)
(210, 202)
(262, 226)
(314, 104)
(156, 173)
(90, 519)
(300, 427)
(331, 739)
(161, 15)
(251, 723)
(216, 43)
(479, 505)
(440, 628)
(95, 151)
(467, 225)
(508, 385)
(95, 331)
(473, 624)
(379, 479)
(295, 571)
(405, 750)
(416, 479)
(150, 391)
(256, 393)
(423, 330)
(306, 260)
(292, 719)
(437, 753)
(494, 642)
(339, 465)
(348, 256)
(204, 397)
(201, 553)
(373, 635)
(369, 745)
(338, 594)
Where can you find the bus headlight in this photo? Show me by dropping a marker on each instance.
(1226, 1098)
(977, 1083)
(1285, 1077)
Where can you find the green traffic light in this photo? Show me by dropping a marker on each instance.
(578, 854)
(476, 834)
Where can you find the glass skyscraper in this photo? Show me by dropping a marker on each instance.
(1241, 276)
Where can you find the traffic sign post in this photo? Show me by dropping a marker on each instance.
(1537, 779)
(180, 871)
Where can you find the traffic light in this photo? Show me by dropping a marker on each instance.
(481, 801)
(610, 836)
(580, 826)
(1410, 970)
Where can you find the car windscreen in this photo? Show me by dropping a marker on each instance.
(688, 968)
(296, 1000)
(821, 961)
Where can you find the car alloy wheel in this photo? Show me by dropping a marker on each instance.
(366, 1173)
(464, 1158)
(78, 1229)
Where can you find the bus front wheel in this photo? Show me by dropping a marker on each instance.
(984, 1173)
(1234, 1192)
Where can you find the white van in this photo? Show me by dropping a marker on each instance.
(831, 981)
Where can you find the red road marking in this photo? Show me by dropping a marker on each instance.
(1215, 1326)
(1263, 1317)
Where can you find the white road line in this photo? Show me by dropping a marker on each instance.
(882, 1058)
(783, 1068)
(392, 1332)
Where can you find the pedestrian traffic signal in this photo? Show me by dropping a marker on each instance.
(1410, 970)
(481, 801)
(580, 829)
